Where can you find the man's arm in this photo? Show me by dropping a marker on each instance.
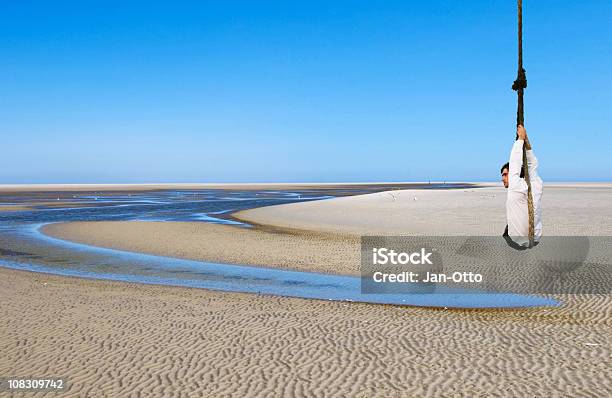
(516, 163)
(532, 161)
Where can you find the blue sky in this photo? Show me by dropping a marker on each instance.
(229, 91)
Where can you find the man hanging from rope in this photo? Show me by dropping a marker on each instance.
(517, 215)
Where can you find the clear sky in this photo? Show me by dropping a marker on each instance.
(229, 91)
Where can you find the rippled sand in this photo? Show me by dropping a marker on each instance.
(118, 339)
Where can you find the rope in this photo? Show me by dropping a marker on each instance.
(519, 85)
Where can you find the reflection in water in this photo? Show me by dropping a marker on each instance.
(22, 246)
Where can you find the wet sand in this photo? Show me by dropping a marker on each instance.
(112, 338)
(310, 251)
(14, 208)
(42, 205)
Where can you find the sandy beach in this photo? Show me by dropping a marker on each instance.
(567, 209)
(116, 339)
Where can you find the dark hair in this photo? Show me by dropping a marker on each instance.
(507, 166)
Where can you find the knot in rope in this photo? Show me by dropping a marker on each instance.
(521, 80)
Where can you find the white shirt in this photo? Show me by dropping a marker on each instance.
(516, 203)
